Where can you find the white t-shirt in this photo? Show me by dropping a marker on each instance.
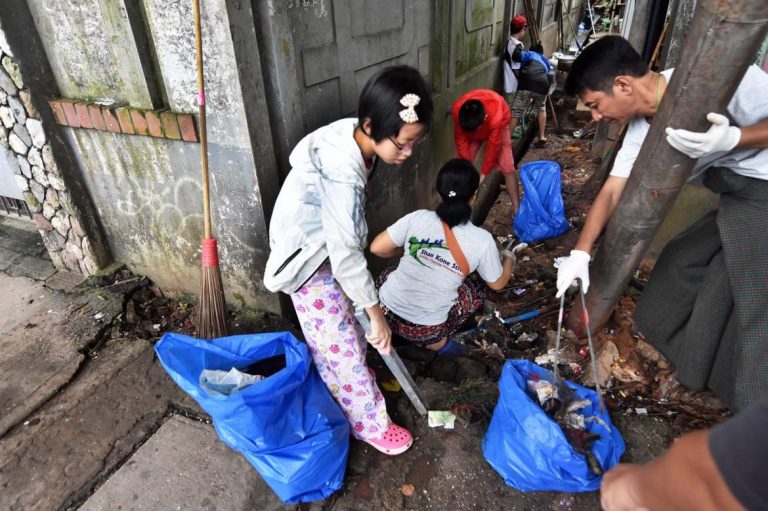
(748, 106)
(510, 80)
(424, 286)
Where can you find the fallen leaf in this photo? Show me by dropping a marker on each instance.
(392, 385)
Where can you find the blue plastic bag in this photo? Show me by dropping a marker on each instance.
(529, 449)
(287, 426)
(541, 214)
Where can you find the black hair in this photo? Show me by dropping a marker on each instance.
(471, 114)
(601, 62)
(457, 182)
(538, 48)
(380, 101)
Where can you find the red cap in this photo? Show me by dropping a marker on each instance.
(518, 23)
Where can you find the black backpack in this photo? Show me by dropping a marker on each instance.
(515, 54)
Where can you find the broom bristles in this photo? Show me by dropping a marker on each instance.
(212, 315)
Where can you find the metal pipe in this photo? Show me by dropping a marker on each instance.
(710, 70)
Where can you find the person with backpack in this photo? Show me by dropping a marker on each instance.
(533, 86)
(511, 60)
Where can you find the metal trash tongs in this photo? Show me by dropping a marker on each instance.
(398, 369)
(592, 356)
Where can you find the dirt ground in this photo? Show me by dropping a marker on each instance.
(445, 469)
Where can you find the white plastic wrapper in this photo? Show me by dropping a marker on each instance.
(226, 382)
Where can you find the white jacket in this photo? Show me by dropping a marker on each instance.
(320, 213)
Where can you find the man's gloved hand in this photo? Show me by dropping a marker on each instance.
(576, 266)
(721, 136)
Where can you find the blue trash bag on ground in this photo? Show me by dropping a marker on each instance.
(541, 214)
(529, 449)
(288, 425)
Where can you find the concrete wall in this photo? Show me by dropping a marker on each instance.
(317, 55)
(148, 190)
(275, 70)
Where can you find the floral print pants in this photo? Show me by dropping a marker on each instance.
(337, 344)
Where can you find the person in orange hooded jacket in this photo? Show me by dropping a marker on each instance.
(480, 116)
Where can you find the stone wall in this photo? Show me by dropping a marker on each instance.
(38, 175)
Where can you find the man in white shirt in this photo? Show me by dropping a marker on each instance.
(704, 306)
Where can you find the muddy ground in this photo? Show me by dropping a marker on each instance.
(445, 469)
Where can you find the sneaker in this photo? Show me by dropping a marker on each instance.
(395, 440)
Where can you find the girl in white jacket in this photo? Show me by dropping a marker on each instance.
(318, 233)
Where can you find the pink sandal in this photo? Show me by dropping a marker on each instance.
(395, 440)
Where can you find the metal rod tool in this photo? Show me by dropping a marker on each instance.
(395, 364)
(591, 347)
(557, 340)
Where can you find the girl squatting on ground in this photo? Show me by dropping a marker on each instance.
(318, 233)
(434, 289)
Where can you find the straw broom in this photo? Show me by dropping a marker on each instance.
(212, 317)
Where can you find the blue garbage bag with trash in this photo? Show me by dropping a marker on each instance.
(532, 451)
(286, 424)
(541, 214)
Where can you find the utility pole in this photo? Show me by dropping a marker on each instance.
(723, 41)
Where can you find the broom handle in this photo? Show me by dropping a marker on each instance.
(203, 133)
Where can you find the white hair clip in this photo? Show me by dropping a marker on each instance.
(409, 114)
(451, 194)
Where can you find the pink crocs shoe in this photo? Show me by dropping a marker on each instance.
(395, 440)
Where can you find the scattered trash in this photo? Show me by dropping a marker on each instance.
(546, 359)
(526, 341)
(516, 329)
(98, 316)
(641, 411)
(546, 393)
(519, 291)
(407, 490)
(437, 419)
(572, 149)
(606, 357)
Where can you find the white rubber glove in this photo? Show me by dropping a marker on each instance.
(571, 268)
(721, 136)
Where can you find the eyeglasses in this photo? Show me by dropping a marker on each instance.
(401, 148)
